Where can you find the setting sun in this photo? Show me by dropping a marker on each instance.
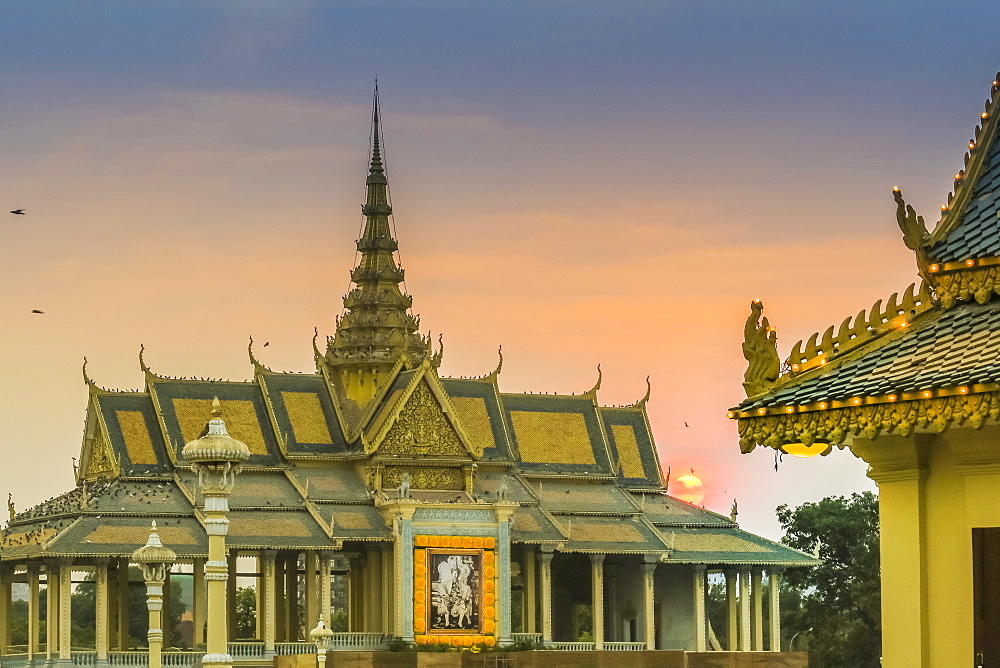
(689, 488)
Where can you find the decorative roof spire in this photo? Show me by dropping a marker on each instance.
(377, 328)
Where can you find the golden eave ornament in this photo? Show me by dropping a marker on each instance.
(760, 348)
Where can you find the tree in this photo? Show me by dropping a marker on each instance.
(246, 613)
(840, 616)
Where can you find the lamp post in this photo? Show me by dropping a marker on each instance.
(155, 560)
(321, 636)
(217, 458)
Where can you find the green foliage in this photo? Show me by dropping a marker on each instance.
(246, 613)
(840, 616)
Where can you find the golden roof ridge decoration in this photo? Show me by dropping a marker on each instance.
(974, 161)
(867, 328)
(641, 403)
(491, 376)
(257, 365)
(760, 349)
(592, 392)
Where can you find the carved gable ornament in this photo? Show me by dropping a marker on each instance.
(422, 428)
(100, 462)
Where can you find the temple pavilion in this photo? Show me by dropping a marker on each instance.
(404, 503)
(912, 387)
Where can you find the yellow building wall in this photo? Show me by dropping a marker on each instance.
(933, 490)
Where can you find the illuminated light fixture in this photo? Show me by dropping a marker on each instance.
(895, 189)
(795, 367)
(761, 411)
(855, 401)
(822, 405)
(935, 267)
(756, 301)
(958, 176)
(963, 390)
(944, 207)
(823, 361)
(996, 83)
(904, 324)
(926, 394)
(892, 397)
(972, 145)
(969, 263)
(789, 409)
(985, 114)
(730, 414)
(803, 451)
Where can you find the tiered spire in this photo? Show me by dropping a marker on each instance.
(377, 330)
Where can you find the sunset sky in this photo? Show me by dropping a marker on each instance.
(582, 182)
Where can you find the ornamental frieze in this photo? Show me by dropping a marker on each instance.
(423, 478)
(422, 429)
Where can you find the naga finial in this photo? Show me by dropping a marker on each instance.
(915, 234)
(592, 392)
(10, 505)
(760, 348)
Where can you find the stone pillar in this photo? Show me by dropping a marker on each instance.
(757, 608)
(65, 612)
(198, 603)
(774, 589)
(216, 577)
(5, 609)
(732, 612)
(292, 597)
(233, 569)
(309, 582)
(326, 585)
(34, 614)
(388, 586)
(165, 621)
(102, 604)
(545, 566)
(530, 593)
(648, 604)
(122, 603)
(745, 609)
(52, 591)
(270, 613)
(373, 602)
(504, 513)
(611, 605)
(700, 631)
(597, 598)
(406, 591)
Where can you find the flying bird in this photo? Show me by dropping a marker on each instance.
(34, 310)
(19, 212)
(686, 424)
(266, 344)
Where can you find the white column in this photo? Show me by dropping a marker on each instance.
(326, 585)
(124, 639)
(774, 586)
(33, 612)
(745, 609)
(52, 591)
(198, 603)
(700, 631)
(732, 612)
(102, 606)
(530, 590)
(545, 564)
(312, 599)
(648, 605)
(757, 608)
(270, 612)
(597, 598)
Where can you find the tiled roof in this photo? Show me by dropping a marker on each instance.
(531, 525)
(609, 535)
(304, 413)
(960, 346)
(185, 405)
(488, 483)
(582, 497)
(342, 485)
(98, 535)
(728, 546)
(255, 489)
(357, 522)
(477, 405)
(557, 434)
(632, 445)
(663, 510)
(977, 235)
(281, 529)
(134, 433)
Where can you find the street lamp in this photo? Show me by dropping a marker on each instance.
(155, 560)
(321, 636)
(217, 458)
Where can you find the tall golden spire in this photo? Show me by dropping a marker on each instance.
(377, 329)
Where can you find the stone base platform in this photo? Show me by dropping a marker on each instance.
(550, 659)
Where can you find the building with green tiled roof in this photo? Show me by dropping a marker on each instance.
(449, 510)
(912, 387)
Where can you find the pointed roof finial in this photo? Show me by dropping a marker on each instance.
(376, 165)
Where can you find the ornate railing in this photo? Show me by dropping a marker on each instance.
(286, 648)
(356, 640)
(246, 649)
(535, 638)
(16, 660)
(572, 646)
(625, 646)
(84, 658)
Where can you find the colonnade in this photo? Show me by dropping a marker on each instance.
(292, 590)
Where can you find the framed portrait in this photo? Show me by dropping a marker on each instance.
(454, 596)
